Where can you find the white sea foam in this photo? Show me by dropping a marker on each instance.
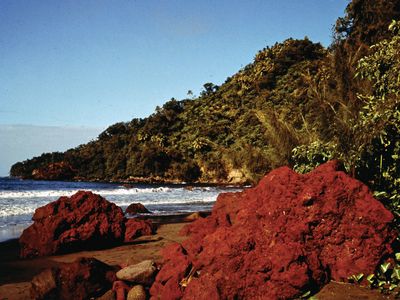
(14, 203)
(69, 192)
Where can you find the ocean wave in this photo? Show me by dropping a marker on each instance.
(69, 192)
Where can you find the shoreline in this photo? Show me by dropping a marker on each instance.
(16, 273)
(141, 180)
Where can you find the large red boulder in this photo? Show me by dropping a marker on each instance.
(290, 234)
(82, 279)
(82, 221)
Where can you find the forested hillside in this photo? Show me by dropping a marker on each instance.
(296, 104)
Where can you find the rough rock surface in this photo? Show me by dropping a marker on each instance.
(141, 273)
(136, 208)
(137, 293)
(82, 221)
(136, 227)
(81, 279)
(44, 285)
(290, 234)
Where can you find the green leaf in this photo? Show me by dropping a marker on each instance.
(371, 278)
(305, 295)
(356, 278)
(359, 276)
(385, 267)
(396, 273)
(381, 283)
(397, 255)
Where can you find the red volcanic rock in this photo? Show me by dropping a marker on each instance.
(136, 228)
(54, 171)
(136, 208)
(290, 234)
(82, 221)
(81, 279)
(121, 289)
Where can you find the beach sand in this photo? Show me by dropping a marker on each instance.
(16, 273)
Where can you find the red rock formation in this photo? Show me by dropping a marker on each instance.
(82, 221)
(290, 234)
(136, 228)
(136, 208)
(82, 279)
(55, 171)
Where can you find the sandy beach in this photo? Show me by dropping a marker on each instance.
(16, 273)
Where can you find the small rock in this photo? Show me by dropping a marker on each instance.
(142, 273)
(137, 208)
(109, 295)
(137, 293)
(43, 285)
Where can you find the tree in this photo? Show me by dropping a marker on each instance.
(209, 88)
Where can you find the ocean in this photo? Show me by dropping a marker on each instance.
(19, 198)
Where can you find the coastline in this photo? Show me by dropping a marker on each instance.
(144, 180)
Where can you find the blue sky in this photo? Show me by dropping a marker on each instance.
(89, 64)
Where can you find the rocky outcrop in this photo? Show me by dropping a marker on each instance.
(82, 221)
(82, 279)
(135, 228)
(290, 234)
(55, 171)
(136, 208)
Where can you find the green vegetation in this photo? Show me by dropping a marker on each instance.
(386, 278)
(296, 104)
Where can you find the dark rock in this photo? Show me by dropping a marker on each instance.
(54, 171)
(82, 221)
(290, 234)
(135, 228)
(44, 285)
(136, 208)
(81, 279)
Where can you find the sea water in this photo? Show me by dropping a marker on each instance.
(19, 198)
